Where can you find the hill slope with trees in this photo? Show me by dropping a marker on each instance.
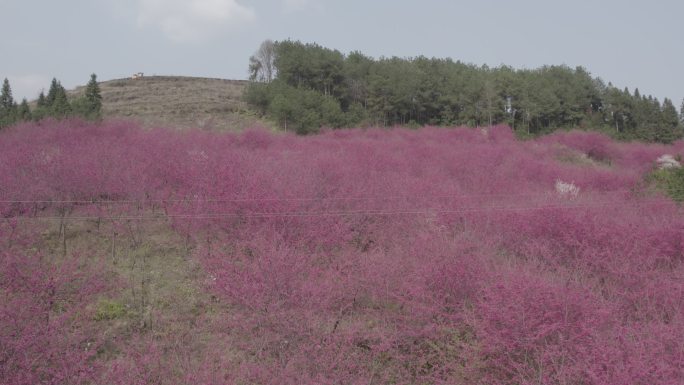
(165, 101)
(306, 86)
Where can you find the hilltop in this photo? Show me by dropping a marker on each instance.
(176, 101)
(310, 86)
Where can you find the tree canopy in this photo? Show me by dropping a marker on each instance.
(56, 104)
(314, 86)
(8, 107)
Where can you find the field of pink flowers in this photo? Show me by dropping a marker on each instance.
(430, 256)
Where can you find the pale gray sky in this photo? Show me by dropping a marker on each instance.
(631, 43)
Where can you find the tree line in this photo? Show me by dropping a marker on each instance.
(55, 104)
(305, 86)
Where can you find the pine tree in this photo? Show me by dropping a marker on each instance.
(52, 93)
(42, 110)
(56, 102)
(669, 114)
(8, 107)
(60, 107)
(6, 100)
(93, 99)
(24, 111)
(666, 127)
(42, 102)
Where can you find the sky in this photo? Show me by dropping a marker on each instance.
(634, 44)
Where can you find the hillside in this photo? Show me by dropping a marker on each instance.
(176, 101)
(428, 256)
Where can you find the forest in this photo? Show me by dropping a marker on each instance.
(304, 86)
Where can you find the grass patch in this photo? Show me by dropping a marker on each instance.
(108, 309)
(670, 181)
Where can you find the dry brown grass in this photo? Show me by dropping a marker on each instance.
(177, 102)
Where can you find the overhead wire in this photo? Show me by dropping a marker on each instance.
(289, 199)
(341, 213)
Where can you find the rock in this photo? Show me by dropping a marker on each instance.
(566, 189)
(668, 161)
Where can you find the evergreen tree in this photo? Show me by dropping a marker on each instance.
(8, 107)
(6, 100)
(42, 102)
(93, 99)
(60, 107)
(56, 103)
(42, 109)
(667, 131)
(670, 116)
(24, 111)
(681, 113)
(55, 86)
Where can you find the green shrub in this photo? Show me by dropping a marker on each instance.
(108, 309)
(671, 181)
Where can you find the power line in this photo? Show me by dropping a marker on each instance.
(426, 211)
(240, 200)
